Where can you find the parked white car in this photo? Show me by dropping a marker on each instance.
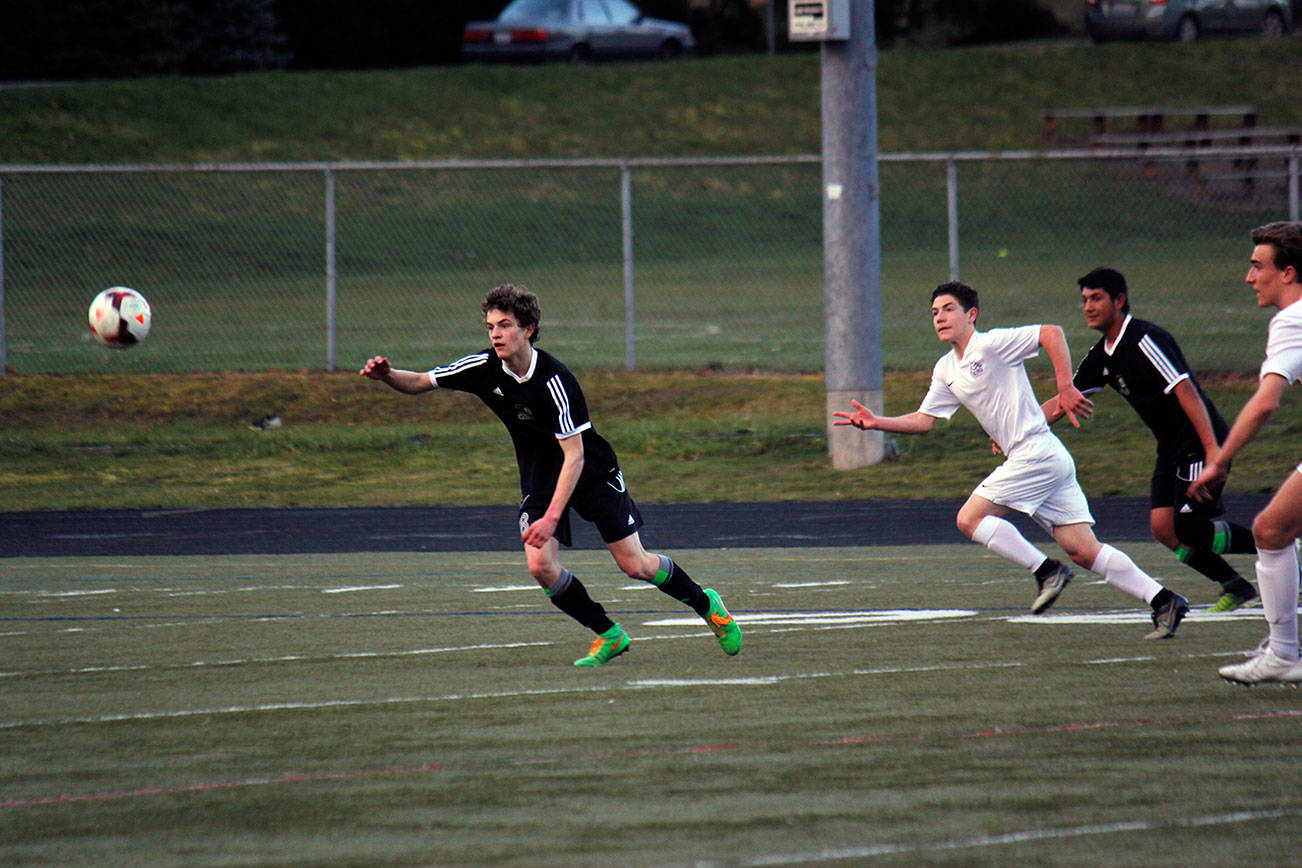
(574, 30)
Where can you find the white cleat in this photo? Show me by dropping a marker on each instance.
(1265, 668)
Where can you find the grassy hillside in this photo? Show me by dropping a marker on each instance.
(108, 441)
(976, 98)
(157, 440)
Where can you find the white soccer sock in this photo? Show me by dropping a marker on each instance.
(1003, 538)
(1119, 571)
(1277, 582)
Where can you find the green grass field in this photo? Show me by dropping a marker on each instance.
(892, 705)
(87, 442)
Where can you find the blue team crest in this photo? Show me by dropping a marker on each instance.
(524, 523)
(976, 369)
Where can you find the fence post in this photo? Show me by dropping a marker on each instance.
(4, 353)
(330, 267)
(626, 223)
(951, 189)
(1293, 210)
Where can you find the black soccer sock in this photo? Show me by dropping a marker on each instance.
(1213, 566)
(1044, 569)
(1217, 536)
(674, 581)
(569, 595)
(1232, 539)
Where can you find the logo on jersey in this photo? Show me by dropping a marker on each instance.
(523, 413)
(1122, 386)
(976, 369)
(619, 478)
(524, 523)
(497, 390)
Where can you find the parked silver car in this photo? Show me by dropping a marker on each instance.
(574, 30)
(1185, 20)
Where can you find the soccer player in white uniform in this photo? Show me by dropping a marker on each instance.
(984, 372)
(1275, 273)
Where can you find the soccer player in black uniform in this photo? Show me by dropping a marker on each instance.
(564, 463)
(1144, 363)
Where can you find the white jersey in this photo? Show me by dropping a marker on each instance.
(991, 382)
(1284, 344)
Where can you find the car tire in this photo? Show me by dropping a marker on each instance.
(670, 49)
(1186, 30)
(579, 54)
(1273, 24)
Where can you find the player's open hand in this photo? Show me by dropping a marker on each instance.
(862, 418)
(1212, 475)
(1072, 403)
(539, 531)
(377, 368)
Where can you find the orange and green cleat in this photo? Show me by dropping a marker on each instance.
(722, 624)
(610, 644)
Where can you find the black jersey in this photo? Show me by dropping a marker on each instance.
(1144, 366)
(538, 409)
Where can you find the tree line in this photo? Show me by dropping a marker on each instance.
(70, 39)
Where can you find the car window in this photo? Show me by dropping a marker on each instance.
(536, 12)
(623, 12)
(592, 12)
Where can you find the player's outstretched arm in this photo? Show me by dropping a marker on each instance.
(865, 420)
(1071, 402)
(409, 382)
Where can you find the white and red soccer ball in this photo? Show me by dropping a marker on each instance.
(119, 317)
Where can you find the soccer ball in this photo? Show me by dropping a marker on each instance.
(119, 317)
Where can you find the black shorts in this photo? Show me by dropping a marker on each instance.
(606, 503)
(1170, 484)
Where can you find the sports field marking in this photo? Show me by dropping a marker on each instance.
(498, 589)
(355, 588)
(841, 618)
(63, 594)
(1132, 616)
(286, 658)
(456, 697)
(827, 584)
(176, 592)
(841, 854)
(714, 682)
(849, 740)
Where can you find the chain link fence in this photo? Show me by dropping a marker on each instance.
(640, 263)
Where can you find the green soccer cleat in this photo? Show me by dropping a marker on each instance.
(610, 644)
(722, 624)
(1230, 602)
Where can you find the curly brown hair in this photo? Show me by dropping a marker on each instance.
(517, 301)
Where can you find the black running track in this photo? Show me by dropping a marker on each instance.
(493, 528)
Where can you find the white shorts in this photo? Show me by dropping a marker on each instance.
(1040, 481)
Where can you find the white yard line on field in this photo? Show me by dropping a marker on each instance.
(1009, 838)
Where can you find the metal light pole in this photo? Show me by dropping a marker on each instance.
(851, 217)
